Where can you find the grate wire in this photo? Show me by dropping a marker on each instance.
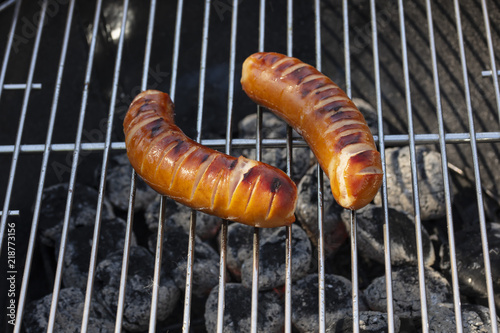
(470, 138)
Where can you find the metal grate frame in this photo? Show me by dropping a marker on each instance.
(19, 99)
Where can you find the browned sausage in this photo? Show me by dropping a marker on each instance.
(237, 189)
(327, 119)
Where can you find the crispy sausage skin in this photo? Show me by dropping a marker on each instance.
(326, 118)
(237, 189)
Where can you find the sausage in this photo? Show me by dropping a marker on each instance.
(236, 189)
(326, 118)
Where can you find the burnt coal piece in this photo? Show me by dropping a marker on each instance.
(118, 185)
(79, 247)
(174, 259)
(207, 226)
(430, 180)
(475, 318)
(138, 289)
(334, 231)
(406, 292)
(69, 314)
(370, 232)
(470, 261)
(272, 251)
(82, 214)
(369, 322)
(274, 128)
(237, 313)
(305, 300)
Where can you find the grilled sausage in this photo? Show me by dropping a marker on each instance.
(327, 119)
(237, 189)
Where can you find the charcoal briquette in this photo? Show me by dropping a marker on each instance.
(83, 211)
(68, 316)
(338, 302)
(175, 255)
(334, 231)
(369, 322)
(370, 236)
(274, 128)
(139, 286)
(237, 313)
(207, 226)
(470, 261)
(430, 181)
(118, 185)
(406, 291)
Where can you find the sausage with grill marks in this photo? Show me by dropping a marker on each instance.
(237, 189)
(324, 115)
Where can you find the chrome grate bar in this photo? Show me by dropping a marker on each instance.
(8, 48)
(477, 177)
(22, 118)
(491, 51)
(444, 167)
(381, 143)
(43, 172)
(319, 173)
(74, 166)
(105, 159)
(413, 162)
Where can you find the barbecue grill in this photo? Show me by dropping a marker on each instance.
(70, 69)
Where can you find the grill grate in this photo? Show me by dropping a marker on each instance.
(15, 12)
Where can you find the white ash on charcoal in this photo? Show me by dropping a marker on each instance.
(370, 232)
(83, 211)
(430, 181)
(470, 261)
(138, 289)
(274, 128)
(272, 253)
(79, 247)
(369, 322)
(68, 316)
(118, 185)
(174, 259)
(406, 292)
(338, 302)
(207, 226)
(334, 231)
(475, 318)
(238, 309)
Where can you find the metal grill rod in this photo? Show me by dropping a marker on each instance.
(319, 173)
(8, 48)
(6, 4)
(159, 238)
(392, 139)
(258, 157)
(414, 177)
(133, 179)
(22, 118)
(20, 86)
(491, 52)
(105, 159)
(444, 167)
(289, 158)
(477, 177)
(353, 224)
(74, 167)
(43, 171)
(381, 142)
